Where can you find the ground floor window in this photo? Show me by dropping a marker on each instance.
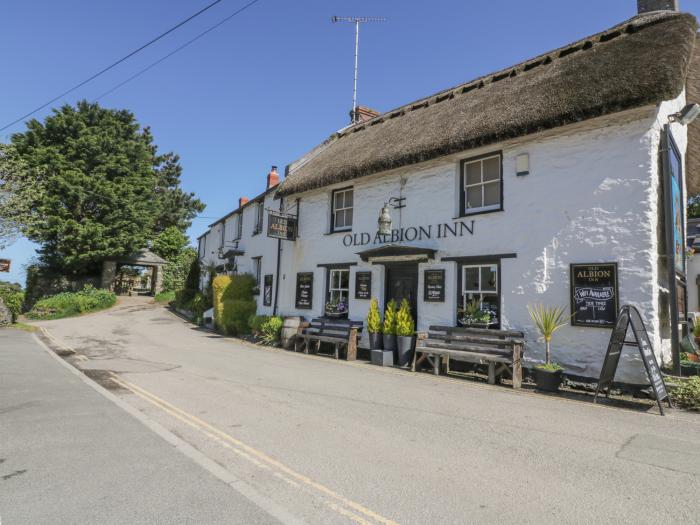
(480, 297)
(257, 271)
(338, 292)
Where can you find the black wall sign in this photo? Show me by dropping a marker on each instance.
(305, 290)
(267, 290)
(434, 286)
(629, 315)
(363, 285)
(281, 227)
(594, 296)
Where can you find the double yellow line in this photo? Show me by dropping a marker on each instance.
(337, 502)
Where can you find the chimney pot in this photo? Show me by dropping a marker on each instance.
(242, 201)
(646, 6)
(273, 178)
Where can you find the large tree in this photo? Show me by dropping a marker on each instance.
(94, 186)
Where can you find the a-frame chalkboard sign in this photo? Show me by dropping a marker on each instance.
(629, 315)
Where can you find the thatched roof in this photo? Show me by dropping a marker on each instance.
(693, 151)
(642, 61)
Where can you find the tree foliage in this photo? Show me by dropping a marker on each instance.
(169, 243)
(93, 186)
(694, 206)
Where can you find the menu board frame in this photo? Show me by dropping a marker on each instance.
(427, 276)
(300, 303)
(362, 292)
(588, 284)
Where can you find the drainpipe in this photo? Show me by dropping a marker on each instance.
(277, 276)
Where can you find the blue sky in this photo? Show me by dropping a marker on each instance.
(273, 82)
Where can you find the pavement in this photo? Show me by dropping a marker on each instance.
(68, 454)
(335, 442)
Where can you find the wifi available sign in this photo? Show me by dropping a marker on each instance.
(594, 295)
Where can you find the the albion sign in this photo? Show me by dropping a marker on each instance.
(412, 233)
(281, 226)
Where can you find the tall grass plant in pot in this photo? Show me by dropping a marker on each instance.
(548, 319)
(405, 334)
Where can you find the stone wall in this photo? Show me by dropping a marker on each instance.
(5, 314)
(43, 284)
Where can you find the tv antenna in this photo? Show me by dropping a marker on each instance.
(357, 20)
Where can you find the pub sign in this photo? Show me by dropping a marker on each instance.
(5, 265)
(305, 291)
(594, 295)
(281, 226)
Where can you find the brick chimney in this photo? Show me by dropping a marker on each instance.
(364, 114)
(273, 178)
(645, 6)
(242, 201)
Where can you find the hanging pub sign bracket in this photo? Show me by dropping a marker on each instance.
(629, 315)
(281, 225)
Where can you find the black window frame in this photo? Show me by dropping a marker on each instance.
(334, 229)
(239, 226)
(329, 269)
(257, 262)
(462, 192)
(259, 218)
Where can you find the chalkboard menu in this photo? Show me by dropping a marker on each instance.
(305, 290)
(594, 296)
(363, 285)
(434, 286)
(267, 290)
(630, 316)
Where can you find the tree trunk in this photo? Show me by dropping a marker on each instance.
(548, 355)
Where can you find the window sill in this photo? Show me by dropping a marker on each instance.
(477, 212)
(335, 232)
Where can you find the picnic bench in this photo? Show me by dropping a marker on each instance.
(501, 350)
(339, 332)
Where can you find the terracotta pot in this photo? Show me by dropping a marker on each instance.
(693, 357)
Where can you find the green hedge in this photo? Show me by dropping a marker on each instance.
(13, 297)
(66, 304)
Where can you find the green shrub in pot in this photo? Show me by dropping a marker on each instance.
(405, 330)
(374, 326)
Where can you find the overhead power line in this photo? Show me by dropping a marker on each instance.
(114, 64)
(176, 50)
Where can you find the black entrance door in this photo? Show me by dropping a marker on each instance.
(402, 283)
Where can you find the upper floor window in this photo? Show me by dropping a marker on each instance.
(222, 246)
(239, 226)
(481, 184)
(259, 217)
(341, 213)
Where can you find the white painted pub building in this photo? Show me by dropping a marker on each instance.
(548, 182)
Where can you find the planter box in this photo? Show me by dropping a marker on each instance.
(404, 349)
(376, 341)
(382, 357)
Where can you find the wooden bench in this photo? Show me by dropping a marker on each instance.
(501, 350)
(339, 332)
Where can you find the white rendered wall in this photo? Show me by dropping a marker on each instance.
(590, 197)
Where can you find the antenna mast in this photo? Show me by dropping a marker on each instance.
(357, 20)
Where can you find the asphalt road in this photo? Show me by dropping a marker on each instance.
(337, 442)
(70, 455)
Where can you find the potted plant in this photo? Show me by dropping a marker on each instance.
(475, 315)
(548, 319)
(389, 327)
(374, 326)
(405, 334)
(336, 309)
(696, 333)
